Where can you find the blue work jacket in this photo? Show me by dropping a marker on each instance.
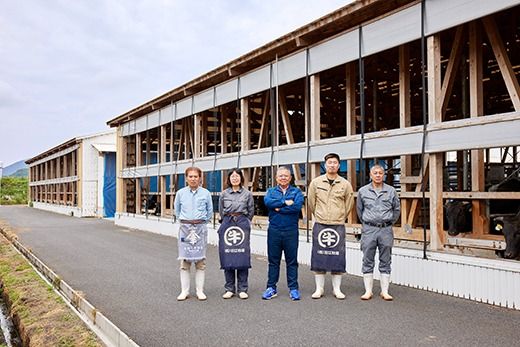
(287, 217)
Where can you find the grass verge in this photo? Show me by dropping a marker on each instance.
(41, 315)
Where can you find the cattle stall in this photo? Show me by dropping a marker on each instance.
(428, 89)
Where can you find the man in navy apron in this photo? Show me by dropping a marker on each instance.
(194, 208)
(330, 198)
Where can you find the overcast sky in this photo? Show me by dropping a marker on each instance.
(67, 67)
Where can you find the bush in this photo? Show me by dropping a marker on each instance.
(13, 190)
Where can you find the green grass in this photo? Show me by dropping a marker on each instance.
(13, 190)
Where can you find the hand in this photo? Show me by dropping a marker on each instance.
(289, 202)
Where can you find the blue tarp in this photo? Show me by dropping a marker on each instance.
(109, 186)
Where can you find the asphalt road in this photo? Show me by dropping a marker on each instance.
(132, 277)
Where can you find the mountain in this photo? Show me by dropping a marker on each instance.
(13, 168)
(21, 173)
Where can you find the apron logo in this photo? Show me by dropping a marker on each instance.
(234, 236)
(328, 238)
(192, 237)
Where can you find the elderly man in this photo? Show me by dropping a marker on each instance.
(330, 198)
(378, 209)
(194, 208)
(284, 203)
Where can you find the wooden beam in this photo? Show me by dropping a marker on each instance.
(79, 158)
(350, 99)
(245, 125)
(503, 61)
(288, 131)
(404, 122)
(451, 69)
(223, 131)
(476, 95)
(466, 195)
(315, 126)
(437, 235)
(198, 136)
(120, 187)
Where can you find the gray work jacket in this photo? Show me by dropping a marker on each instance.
(378, 207)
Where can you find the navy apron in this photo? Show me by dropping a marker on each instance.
(192, 241)
(234, 246)
(328, 248)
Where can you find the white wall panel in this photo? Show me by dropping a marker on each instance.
(166, 114)
(226, 92)
(140, 124)
(203, 101)
(445, 14)
(256, 81)
(290, 68)
(337, 51)
(184, 108)
(392, 31)
(153, 120)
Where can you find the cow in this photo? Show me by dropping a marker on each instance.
(510, 227)
(457, 217)
(503, 207)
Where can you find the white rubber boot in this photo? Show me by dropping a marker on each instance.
(368, 280)
(199, 284)
(185, 285)
(320, 283)
(336, 287)
(385, 283)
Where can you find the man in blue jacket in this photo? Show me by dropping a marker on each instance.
(284, 203)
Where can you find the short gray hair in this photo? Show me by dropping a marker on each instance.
(377, 166)
(283, 168)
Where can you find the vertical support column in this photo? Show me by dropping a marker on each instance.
(79, 158)
(437, 236)
(162, 178)
(404, 121)
(120, 159)
(315, 117)
(351, 128)
(245, 133)
(138, 158)
(74, 173)
(197, 120)
(476, 109)
(223, 131)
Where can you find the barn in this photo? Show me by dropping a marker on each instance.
(428, 89)
(76, 177)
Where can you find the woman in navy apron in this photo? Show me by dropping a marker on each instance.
(236, 209)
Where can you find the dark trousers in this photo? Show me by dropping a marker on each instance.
(285, 241)
(241, 279)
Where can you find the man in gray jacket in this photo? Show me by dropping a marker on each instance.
(378, 208)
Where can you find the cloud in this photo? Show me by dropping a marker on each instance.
(66, 67)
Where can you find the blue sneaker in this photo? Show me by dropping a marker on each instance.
(269, 293)
(294, 294)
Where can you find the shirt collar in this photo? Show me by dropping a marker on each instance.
(231, 191)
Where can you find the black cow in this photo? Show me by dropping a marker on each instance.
(503, 207)
(457, 217)
(510, 227)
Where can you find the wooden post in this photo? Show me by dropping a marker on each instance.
(79, 159)
(315, 126)
(162, 179)
(350, 98)
(245, 133)
(404, 122)
(138, 158)
(476, 109)
(437, 235)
